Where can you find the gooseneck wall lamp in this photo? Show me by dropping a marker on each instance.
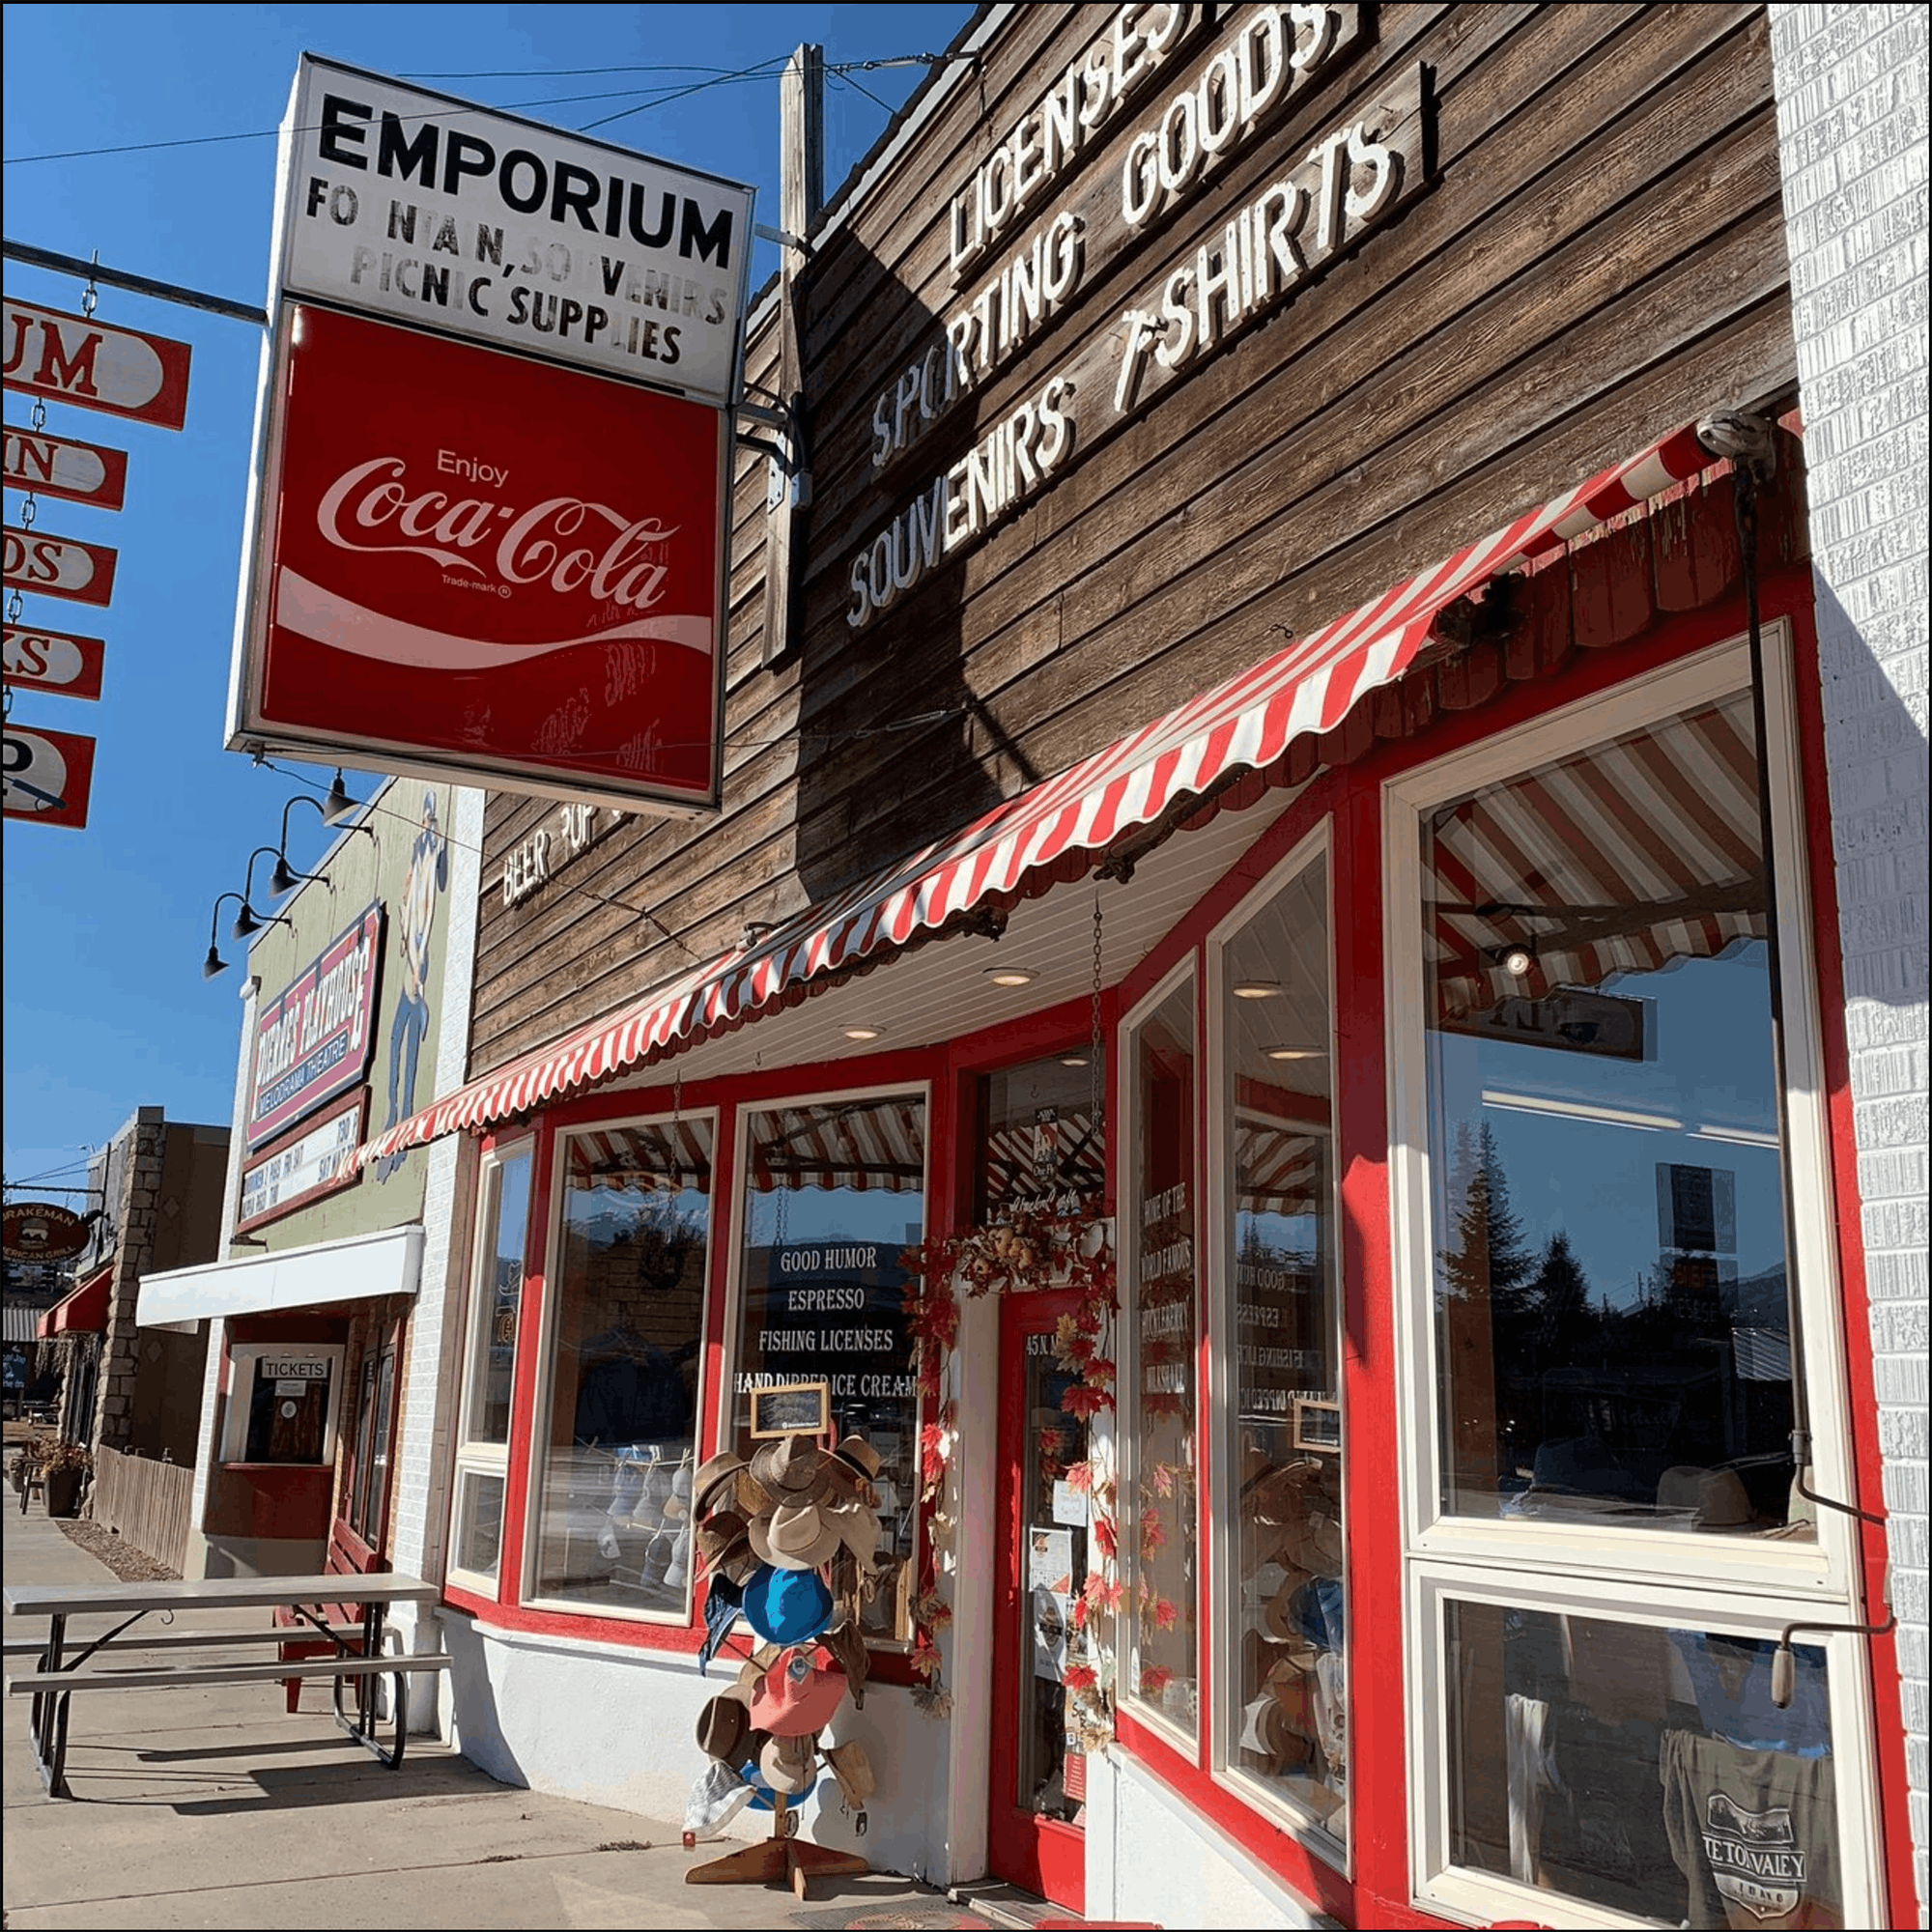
(338, 805)
(283, 880)
(214, 963)
(247, 921)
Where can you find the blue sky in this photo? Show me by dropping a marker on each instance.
(105, 1009)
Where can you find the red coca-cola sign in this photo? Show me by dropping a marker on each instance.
(485, 566)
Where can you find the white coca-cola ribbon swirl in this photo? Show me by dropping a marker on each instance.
(325, 617)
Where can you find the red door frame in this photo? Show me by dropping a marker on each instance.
(1042, 1855)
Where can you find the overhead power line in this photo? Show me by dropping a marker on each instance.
(768, 70)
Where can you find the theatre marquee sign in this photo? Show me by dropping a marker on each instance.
(1033, 224)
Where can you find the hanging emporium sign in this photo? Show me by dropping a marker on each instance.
(458, 564)
(314, 1038)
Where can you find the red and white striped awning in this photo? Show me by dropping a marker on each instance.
(1621, 860)
(1060, 829)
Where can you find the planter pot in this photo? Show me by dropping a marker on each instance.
(64, 1492)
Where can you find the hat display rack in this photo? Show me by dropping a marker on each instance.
(776, 1533)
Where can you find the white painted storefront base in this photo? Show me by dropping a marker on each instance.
(1201, 1877)
(610, 1725)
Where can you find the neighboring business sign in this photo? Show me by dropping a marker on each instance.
(294, 1173)
(60, 566)
(480, 566)
(48, 776)
(74, 358)
(54, 661)
(38, 1230)
(467, 221)
(314, 1038)
(54, 466)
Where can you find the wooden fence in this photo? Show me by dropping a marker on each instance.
(146, 1501)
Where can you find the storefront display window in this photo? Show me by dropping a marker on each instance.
(1286, 1696)
(1643, 1769)
(1615, 1335)
(612, 1527)
(834, 1192)
(496, 1304)
(1159, 1414)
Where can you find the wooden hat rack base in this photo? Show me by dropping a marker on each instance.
(780, 1860)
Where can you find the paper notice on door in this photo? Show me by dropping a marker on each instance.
(1069, 1505)
(1049, 1635)
(1051, 1560)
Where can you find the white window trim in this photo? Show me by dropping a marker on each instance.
(734, 1286)
(1712, 1584)
(1460, 1890)
(527, 1594)
(242, 1359)
(473, 1458)
(1220, 1297)
(1185, 972)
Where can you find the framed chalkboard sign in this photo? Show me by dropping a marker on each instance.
(1318, 1425)
(792, 1408)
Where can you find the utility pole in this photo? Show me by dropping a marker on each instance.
(801, 196)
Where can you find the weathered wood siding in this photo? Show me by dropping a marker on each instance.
(1595, 255)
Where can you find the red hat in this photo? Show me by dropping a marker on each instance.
(799, 1695)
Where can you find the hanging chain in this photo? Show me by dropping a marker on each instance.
(1096, 1082)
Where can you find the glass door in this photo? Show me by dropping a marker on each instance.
(1037, 1838)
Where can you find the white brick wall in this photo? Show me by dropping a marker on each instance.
(1852, 102)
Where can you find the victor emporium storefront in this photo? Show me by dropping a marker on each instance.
(1382, 938)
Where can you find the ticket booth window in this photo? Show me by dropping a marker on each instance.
(283, 1404)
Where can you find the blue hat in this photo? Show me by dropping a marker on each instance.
(786, 1605)
(722, 1603)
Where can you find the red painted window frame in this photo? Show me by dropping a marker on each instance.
(1349, 799)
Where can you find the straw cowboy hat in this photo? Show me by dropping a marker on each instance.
(797, 1538)
(858, 1528)
(854, 1468)
(846, 1642)
(799, 1695)
(853, 1770)
(711, 1476)
(793, 1472)
(788, 1765)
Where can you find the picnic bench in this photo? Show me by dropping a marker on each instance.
(192, 1657)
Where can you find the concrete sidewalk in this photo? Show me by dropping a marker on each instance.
(211, 1808)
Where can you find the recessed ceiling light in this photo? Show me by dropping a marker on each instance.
(1298, 1053)
(1255, 989)
(1074, 1060)
(864, 1032)
(1009, 976)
